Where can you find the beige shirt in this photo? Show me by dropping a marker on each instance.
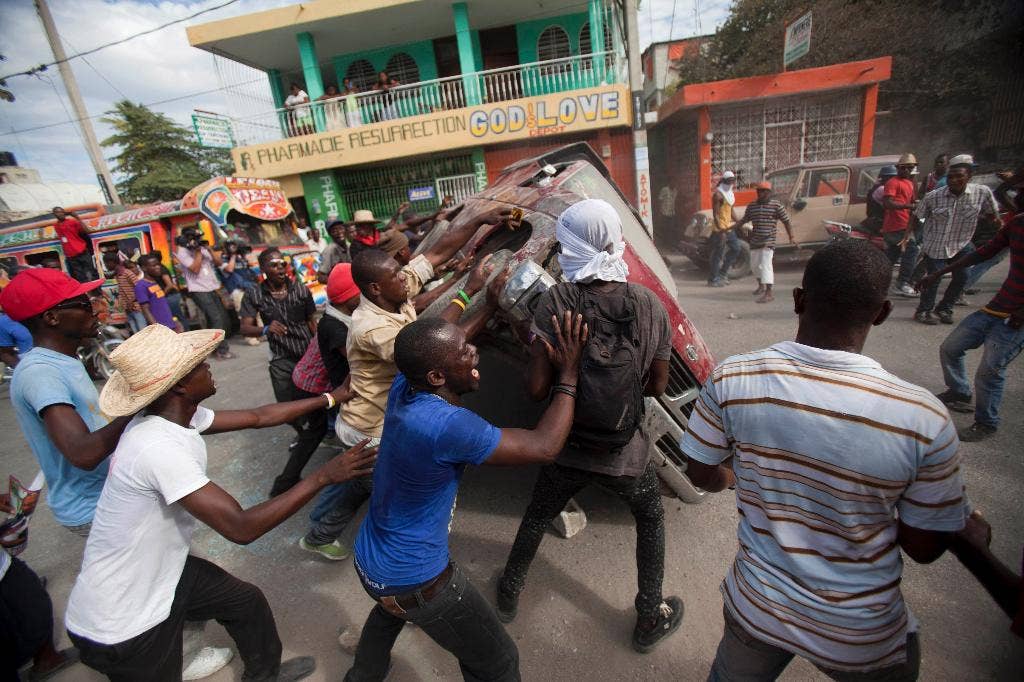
(371, 352)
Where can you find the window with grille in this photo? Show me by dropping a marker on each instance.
(553, 43)
(585, 39)
(403, 68)
(362, 74)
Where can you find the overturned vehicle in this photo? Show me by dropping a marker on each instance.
(542, 187)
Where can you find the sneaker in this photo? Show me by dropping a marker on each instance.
(972, 292)
(226, 356)
(945, 316)
(335, 551)
(962, 301)
(208, 661)
(717, 283)
(925, 318)
(294, 669)
(907, 291)
(252, 341)
(976, 432)
(958, 402)
(646, 636)
(507, 607)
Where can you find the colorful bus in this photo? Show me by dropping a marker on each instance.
(250, 211)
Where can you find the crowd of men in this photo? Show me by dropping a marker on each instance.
(818, 565)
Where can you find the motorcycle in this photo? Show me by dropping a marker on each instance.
(95, 354)
(839, 231)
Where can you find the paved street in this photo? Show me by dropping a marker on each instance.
(576, 615)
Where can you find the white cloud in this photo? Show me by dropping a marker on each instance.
(161, 66)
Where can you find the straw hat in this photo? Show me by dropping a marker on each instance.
(363, 216)
(907, 160)
(150, 362)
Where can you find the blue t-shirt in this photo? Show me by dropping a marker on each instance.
(14, 335)
(42, 378)
(425, 447)
(153, 294)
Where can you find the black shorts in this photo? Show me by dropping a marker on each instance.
(26, 614)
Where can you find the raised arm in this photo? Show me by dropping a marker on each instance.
(83, 448)
(545, 441)
(220, 511)
(971, 547)
(455, 238)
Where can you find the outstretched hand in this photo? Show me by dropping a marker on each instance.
(353, 463)
(570, 338)
(478, 277)
(496, 286)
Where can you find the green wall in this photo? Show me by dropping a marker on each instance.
(528, 32)
(421, 52)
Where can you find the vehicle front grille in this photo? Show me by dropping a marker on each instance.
(683, 388)
(668, 445)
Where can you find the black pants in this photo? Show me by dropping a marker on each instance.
(311, 428)
(82, 267)
(555, 486)
(458, 618)
(205, 591)
(26, 618)
(956, 285)
(216, 315)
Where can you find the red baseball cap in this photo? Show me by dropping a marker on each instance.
(38, 289)
(340, 285)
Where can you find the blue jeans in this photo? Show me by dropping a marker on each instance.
(458, 618)
(907, 259)
(953, 291)
(136, 321)
(336, 507)
(975, 272)
(725, 249)
(1002, 344)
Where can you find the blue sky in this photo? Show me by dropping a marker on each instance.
(162, 66)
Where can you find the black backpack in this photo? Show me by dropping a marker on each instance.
(609, 394)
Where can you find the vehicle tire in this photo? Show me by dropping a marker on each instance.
(741, 266)
(103, 368)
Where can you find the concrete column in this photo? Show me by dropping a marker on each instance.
(596, 11)
(276, 87)
(467, 63)
(311, 75)
(480, 169)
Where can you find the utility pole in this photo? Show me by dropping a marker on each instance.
(636, 87)
(78, 106)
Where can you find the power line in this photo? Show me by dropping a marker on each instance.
(97, 71)
(43, 67)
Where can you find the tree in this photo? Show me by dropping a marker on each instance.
(158, 159)
(944, 51)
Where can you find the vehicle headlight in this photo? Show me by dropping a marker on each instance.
(524, 287)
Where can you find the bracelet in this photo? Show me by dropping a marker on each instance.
(464, 296)
(459, 303)
(331, 402)
(564, 389)
(569, 386)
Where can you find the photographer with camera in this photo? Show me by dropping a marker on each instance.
(198, 263)
(235, 272)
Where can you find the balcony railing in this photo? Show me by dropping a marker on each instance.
(441, 94)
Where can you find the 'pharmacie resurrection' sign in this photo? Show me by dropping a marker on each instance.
(555, 114)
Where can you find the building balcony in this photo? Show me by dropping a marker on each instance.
(508, 84)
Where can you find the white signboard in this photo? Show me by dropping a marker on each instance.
(213, 131)
(798, 40)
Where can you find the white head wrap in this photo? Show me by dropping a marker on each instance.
(590, 233)
(726, 190)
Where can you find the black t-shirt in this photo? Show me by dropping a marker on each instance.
(332, 335)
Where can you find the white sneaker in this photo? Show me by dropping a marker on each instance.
(208, 661)
(908, 291)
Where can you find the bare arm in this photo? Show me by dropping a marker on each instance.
(147, 313)
(83, 448)
(8, 356)
(970, 546)
(923, 546)
(890, 203)
(657, 378)
(423, 301)
(229, 266)
(248, 327)
(543, 443)
(712, 478)
(197, 261)
(220, 511)
(269, 415)
(454, 239)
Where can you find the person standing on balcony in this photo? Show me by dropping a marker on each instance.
(352, 115)
(76, 244)
(724, 244)
(901, 246)
(332, 108)
(384, 84)
(300, 122)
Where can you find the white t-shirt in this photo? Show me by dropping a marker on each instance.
(140, 538)
(295, 100)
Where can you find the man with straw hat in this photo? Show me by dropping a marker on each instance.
(139, 584)
(898, 226)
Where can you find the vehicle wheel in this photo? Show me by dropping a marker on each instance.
(741, 266)
(104, 369)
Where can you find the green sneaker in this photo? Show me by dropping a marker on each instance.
(335, 551)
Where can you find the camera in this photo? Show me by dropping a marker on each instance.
(189, 238)
(231, 247)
